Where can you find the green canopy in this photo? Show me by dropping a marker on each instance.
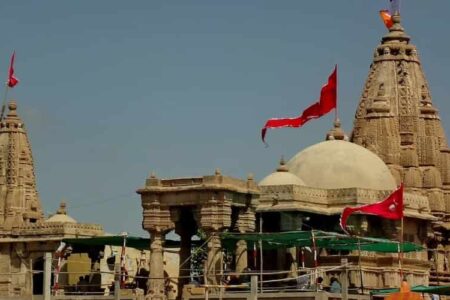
(117, 240)
(114, 240)
(327, 240)
(438, 290)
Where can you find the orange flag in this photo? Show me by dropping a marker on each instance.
(387, 18)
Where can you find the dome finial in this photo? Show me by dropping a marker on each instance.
(282, 167)
(62, 208)
(336, 133)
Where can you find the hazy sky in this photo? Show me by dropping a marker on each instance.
(112, 90)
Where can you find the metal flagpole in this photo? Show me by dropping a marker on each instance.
(336, 117)
(400, 251)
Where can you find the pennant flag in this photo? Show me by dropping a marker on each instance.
(12, 80)
(387, 18)
(328, 99)
(389, 208)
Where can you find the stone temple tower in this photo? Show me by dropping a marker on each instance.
(19, 200)
(397, 120)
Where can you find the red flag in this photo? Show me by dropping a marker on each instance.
(328, 99)
(389, 208)
(387, 18)
(12, 80)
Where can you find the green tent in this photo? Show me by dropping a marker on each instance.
(117, 240)
(327, 240)
(438, 290)
(113, 240)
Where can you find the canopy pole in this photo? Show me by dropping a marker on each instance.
(400, 251)
(122, 261)
(260, 254)
(360, 266)
(313, 238)
(302, 253)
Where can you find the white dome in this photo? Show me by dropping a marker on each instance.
(61, 215)
(59, 218)
(336, 164)
(281, 178)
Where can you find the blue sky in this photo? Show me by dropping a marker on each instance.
(112, 90)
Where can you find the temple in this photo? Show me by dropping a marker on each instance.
(397, 137)
(25, 234)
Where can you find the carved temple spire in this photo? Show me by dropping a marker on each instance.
(19, 199)
(397, 120)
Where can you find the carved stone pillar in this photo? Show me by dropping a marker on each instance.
(241, 256)
(214, 259)
(245, 223)
(156, 288)
(293, 267)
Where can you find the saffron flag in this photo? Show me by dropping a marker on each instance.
(387, 18)
(12, 80)
(328, 99)
(389, 208)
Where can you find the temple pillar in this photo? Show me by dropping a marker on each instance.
(156, 288)
(293, 266)
(214, 259)
(241, 260)
(245, 223)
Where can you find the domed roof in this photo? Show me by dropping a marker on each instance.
(335, 164)
(61, 216)
(282, 176)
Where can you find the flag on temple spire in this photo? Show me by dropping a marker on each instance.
(387, 18)
(12, 80)
(389, 208)
(326, 103)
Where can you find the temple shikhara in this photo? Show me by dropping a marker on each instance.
(397, 138)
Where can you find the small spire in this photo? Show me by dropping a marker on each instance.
(62, 208)
(282, 167)
(152, 175)
(336, 133)
(217, 172)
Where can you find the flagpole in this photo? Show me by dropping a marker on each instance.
(400, 251)
(336, 109)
